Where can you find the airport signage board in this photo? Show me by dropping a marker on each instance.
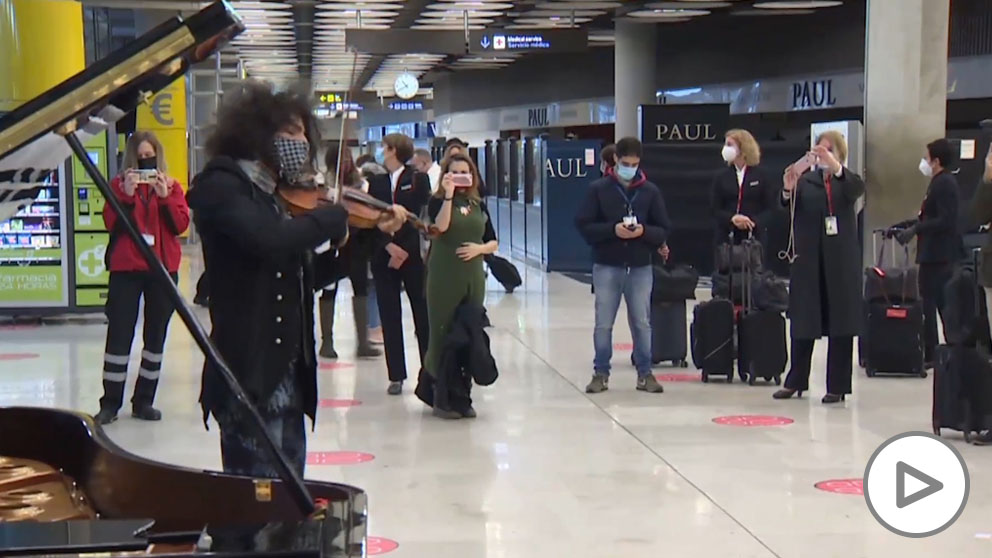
(488, 41)
(500, 41)
(683, 123)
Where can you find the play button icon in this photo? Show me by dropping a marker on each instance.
(931, 485)
(916, 484)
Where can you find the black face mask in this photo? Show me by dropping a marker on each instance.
(148, 163)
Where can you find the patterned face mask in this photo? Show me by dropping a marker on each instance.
(293, 156)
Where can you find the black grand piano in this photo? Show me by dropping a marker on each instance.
(65, 488)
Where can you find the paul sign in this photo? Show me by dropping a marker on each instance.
(683, 123)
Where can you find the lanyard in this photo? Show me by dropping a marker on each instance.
(830, 195)
(629, 200)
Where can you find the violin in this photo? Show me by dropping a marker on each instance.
(364, 210)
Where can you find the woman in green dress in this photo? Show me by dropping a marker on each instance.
(454, 268)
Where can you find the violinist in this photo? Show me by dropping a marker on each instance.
(263, 270)
(396, 262)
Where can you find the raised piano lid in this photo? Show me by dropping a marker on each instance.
(123, 78)
(120, 485)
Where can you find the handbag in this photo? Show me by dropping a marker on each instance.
(674, 283)
(770, 293)
(737, 257)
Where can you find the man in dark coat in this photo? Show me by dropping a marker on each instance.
(825, 293)
(263, 268)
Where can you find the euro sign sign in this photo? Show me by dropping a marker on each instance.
(162, 108)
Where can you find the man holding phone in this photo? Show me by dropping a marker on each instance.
(624, 220)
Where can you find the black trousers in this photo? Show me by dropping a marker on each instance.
(933, 279)
(839, 367)
(388, 284)
(126, 289)
(356, 255)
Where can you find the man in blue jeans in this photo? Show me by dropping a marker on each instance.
(623, 218)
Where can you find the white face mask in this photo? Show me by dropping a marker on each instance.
(729, 153)
(925, 168)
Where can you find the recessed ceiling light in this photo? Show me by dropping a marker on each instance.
(667, 13)
(772, 13)
(798, 5)
(696, 4)
(578, 5)
(463, 5)
(555, 21)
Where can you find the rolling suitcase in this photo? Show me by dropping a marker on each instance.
(894, 339)
(668, 333)
(712, 338)
(504, 271)
(962, 390)
(761, 346)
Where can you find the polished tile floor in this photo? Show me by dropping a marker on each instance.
(547, 470)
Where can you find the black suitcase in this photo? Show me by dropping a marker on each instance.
(761, 348)
(893, 339)
(668, 333)
(504, 271)
(885, 284)
(962, 390)
(712, 338)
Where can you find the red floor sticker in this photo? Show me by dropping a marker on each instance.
(336, 365)
(18, 327)
(676, 377)
(753, 420)
(623, 346)
(379, 545)
(339, 403)
(338, 457)
(853, 487)
(18, 356)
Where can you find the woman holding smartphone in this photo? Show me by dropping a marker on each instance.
(157, 205)
(454, 267)
(825, 283)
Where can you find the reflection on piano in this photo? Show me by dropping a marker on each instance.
(65, 488)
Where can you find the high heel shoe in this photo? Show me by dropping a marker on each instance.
(786, 393)
(832, 398)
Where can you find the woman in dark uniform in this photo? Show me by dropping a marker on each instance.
(454, 268)
(825, 286)
(743, 196)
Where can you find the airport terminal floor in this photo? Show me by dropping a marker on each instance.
(704, 470)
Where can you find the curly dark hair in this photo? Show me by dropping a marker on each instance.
(252, 115)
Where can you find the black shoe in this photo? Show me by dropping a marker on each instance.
(105, 416)
(832, 398)
(446, 414)
(146, 412)
(200, 300)
(469, 412)
(786, 393)
(395, 388)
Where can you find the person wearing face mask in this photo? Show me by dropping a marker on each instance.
(825, 294)
(156, 204)
(264, 267)
(397, 264)
(938, 236)
(624, 220)
(454, 269)
(743, 197)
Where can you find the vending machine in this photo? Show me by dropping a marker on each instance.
(90, 277)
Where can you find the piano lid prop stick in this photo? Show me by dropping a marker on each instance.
(294, 483)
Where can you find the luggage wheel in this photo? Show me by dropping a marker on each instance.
(706, 378)
(936, 430)
(680, 363)
(923, 374)
(871, 372)
(751, 380)
(778, 380)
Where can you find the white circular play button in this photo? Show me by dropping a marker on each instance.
(916, 484)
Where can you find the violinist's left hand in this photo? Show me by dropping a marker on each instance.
(394, 219)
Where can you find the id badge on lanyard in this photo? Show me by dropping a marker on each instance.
(145, 199)
(630, 220)
(830, 221)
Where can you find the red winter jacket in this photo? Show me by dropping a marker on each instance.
(163, 218)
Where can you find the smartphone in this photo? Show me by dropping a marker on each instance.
(461, 180)
(804, 163)
(146, 176)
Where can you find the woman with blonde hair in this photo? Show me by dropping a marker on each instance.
(743, 195)
(825, 283)
(454, 268)
(157, 205)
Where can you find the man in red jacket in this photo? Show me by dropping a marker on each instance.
(157, 205)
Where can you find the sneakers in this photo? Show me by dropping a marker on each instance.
(649, 384)
(599, 383)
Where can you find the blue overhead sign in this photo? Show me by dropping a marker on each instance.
(406, 105)
(497, 41)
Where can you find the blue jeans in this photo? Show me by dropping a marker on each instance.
(373, 306)
(634, 285)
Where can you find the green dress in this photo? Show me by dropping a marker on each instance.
(449, 279)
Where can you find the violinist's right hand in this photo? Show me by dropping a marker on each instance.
(395, 219)
(130, 182)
